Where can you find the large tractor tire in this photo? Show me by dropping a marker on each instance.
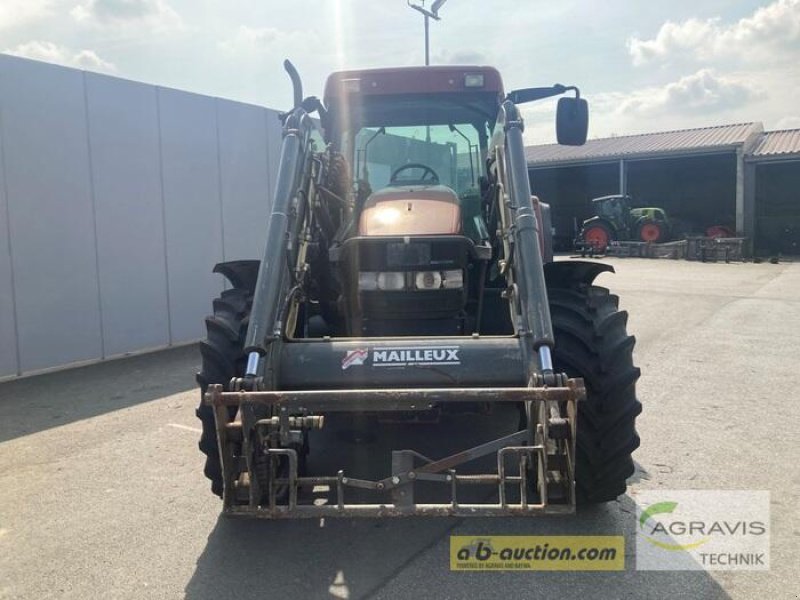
(598, 236)
(591, 341)
(651, 231)
(222, 355)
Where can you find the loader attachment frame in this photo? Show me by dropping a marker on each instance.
(543, 453)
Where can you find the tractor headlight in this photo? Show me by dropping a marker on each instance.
(453, 279)
(428, 280)
(367, 280)
(391, 281)
(370, 281)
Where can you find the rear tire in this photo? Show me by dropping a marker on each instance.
(591, 342)
(651, 231)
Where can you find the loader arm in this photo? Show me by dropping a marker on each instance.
(289, 205)
(521, 233)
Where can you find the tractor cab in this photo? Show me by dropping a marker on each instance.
(613, 208)
(414, 251)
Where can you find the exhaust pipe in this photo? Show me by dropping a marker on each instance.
(297, 85)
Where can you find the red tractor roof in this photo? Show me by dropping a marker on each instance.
(412, 80)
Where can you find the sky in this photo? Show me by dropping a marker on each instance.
(643, 66)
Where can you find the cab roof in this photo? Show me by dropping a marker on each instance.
(412, 80)
(403, 96)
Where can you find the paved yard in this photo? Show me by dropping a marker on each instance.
(102, 493)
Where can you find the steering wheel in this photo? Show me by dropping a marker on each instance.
(429, 176)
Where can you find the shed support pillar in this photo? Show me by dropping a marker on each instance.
(750, 203)
(740, 195)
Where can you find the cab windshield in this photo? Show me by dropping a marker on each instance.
(419, 155)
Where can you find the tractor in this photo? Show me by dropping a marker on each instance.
(616, 220)
(407, 275)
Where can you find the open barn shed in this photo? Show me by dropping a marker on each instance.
(773, 183)
(696, 175)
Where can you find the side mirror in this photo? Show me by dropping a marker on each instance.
(572, 121)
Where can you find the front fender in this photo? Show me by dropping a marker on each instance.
(567, 273)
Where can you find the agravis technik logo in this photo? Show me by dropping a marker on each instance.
(702, 530)
(657, 528)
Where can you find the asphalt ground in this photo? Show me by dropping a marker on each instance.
(102, 493)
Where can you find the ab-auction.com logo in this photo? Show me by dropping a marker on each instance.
(694, 529)
(537, 553)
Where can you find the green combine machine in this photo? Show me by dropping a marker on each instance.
(616, 220)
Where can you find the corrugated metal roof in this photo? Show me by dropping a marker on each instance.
(778, 143)
(687, 140)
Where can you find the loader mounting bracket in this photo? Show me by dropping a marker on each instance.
(534, 467)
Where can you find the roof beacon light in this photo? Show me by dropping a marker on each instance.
(352, 85)
(473, 80)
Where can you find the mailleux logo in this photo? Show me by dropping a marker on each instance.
(354, 358)
(416, 356)
(671, 529)
(403, 356)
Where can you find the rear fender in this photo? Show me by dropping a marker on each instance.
(613, 229)
(595, 220)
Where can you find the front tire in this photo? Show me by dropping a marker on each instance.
(591, 342)
(222, 355)
(598, 236)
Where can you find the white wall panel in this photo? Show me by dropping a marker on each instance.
(124, 141)
(119, 197)
(51, 214)
(8, 338)
(245, 179)
(192, 208)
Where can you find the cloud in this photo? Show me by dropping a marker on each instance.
(791, 122)
(701, 92)
(768, 29)
(460, 57)
(14, 13)
(254, 40)
(88, 60)
(53, 53)
(156, 15)
(690, 36)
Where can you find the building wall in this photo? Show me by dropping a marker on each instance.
(778, 207)
(116, 200)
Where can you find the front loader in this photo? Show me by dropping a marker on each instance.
(407, 277)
